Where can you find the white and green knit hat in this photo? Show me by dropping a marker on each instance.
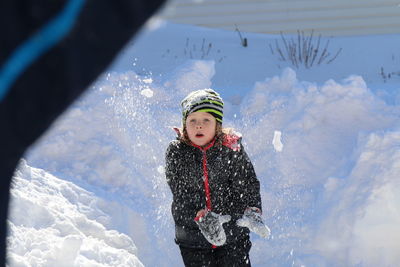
(206, 100)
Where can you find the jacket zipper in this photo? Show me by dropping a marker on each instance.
(206, 185)
(205, 172)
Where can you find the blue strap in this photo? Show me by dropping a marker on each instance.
(33, 48)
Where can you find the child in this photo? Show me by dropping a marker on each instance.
(216, 194)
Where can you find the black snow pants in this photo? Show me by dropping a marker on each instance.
(231, 255)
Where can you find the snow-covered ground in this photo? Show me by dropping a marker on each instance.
(325, 142)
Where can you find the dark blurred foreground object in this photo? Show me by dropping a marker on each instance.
(50, 52)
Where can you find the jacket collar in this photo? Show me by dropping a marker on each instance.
(211, 144)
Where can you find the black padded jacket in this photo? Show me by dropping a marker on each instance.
(219, 177)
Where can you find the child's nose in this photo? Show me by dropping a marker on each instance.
(199, 124)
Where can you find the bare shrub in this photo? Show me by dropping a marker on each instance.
(303, 50)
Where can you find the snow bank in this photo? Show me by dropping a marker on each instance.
(56, 223)
(338, 164)
(362, 227)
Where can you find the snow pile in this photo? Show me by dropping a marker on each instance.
(339, 157)
(362, 228)
(56, 223)
(112, 143)
(320, 124)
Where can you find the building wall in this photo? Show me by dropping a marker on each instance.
(327, 17)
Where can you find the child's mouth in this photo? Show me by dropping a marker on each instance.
(199, 135)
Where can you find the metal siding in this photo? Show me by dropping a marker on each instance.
(336, 17)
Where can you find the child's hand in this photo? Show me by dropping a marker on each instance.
(252, 220)
(210, 225)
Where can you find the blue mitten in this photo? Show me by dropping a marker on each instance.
(210, 225)
(252, 220)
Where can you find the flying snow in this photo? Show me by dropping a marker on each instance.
(276, 141)
(147, 92)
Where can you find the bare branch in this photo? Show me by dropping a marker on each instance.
(303, 50)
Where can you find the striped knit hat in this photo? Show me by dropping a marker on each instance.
(206, 100)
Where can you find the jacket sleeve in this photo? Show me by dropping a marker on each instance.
(248, 183)
(171, 168)
(183, 207)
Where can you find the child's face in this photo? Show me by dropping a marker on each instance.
(200, 127)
